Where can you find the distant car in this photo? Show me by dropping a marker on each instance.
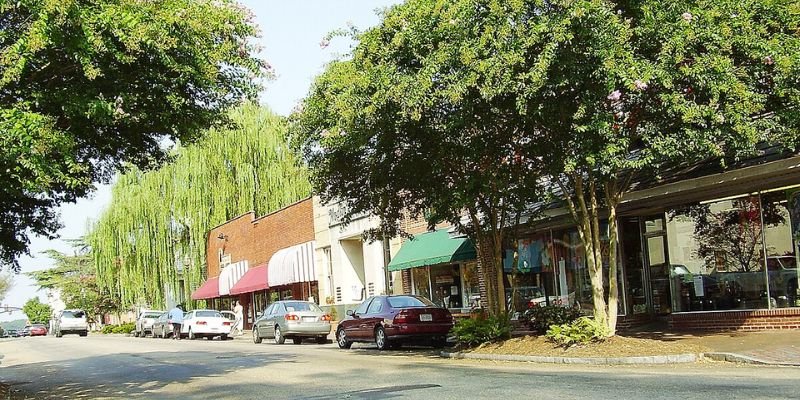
(12, 333)
(390, 321)
(229, 315)
(144, 323)
(162, 328)
(25, 332)
(71, 321)
(38, 330)
(292, 319)
(205, 323)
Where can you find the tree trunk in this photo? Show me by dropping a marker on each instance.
(612, 200)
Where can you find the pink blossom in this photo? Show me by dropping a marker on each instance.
(767, 60)
(640, 85)
(687, 16)
(615, 95)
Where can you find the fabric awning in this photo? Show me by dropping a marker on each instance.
(208, 290)
(254, 279)
(293, 264)
(230, 275)
(432, 248)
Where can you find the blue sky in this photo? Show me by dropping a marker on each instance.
(291, 36)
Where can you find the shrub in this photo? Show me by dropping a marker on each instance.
(108, 329)
(472, 332)
(581, 331)
(127, 327)
(540, 319)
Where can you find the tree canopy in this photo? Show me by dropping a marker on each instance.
(36, 311)
(153, 234)
(450, 108)
(86, 85)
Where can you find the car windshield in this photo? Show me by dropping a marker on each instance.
(301, 306)
(37, 326)
(409, 301)
(151, 315)
(72, 314)
(208, 314)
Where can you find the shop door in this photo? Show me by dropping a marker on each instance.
(633, 262)
(654, 232)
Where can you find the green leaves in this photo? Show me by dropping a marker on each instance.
(36, 311)
(88, 85)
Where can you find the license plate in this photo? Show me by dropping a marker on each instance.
(425, 317)
(309, 319)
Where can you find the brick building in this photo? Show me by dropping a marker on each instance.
(259, 260)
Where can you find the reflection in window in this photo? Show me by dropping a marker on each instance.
(421, 280)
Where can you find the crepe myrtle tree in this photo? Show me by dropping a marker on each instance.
(408, 127)
(626, 89)
(87, 85)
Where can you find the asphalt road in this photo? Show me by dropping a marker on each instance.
(99, 366)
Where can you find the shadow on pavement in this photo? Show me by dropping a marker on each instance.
(143, 373)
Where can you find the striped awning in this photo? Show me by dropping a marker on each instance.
(293, 264)
(230, 275)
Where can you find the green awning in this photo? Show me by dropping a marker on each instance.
(432, 248)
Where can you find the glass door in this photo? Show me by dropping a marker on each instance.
(633, 264)
(654, 233)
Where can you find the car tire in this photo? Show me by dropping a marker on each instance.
(341, 339)
(59, 334)
(256, 337)
(438, 343)
(297, 340)
(84, 333)
(135, 334)
(223, 337)
(191, 334)
(279, 339)
(380, 339)
(322, 339)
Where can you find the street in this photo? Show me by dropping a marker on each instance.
(124, 367)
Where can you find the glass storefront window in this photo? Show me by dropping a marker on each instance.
(716, 254)
(469, 275)
(781, 210)
(446, 284)
(573, 276)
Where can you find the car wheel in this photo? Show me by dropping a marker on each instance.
(135, 334)
(297, 340)
(223, 337)
(341, 339)
(322, 339)
(380, 338)
(279, 339)
(439, 342)
(256, 337)
(59, 334)
(84, 333)
(191, 334)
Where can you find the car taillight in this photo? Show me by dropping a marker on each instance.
(292, 317)
(202, 323)
(226, 323)
(325, 317)
(401, 317)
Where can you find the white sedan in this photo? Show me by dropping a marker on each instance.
(205, 323)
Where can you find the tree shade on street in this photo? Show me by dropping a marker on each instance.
(481, 108)
(87, 85)
(153, 233)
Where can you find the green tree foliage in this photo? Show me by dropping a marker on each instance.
(445, 99)
(86, 85)
(74, 278)
(154, 231)
(37, 312)
(6, 282)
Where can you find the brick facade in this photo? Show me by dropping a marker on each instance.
(257, 239)
(744, 320)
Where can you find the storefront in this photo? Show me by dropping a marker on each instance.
(441, 268)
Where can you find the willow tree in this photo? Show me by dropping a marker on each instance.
(153, 233)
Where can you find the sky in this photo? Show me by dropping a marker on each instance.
(291, 36)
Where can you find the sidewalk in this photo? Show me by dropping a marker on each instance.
(774, 347)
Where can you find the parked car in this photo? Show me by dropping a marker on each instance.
(292, 319)
(229, 315)
(37, 330)
(390, 321)
(205, 323)
(162, 328)
(12, 333)
(71, 321)
(25, 332)
(144, 323)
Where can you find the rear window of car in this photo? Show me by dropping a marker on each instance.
(409, 301)
(37, 326)
(301, 306)
(151, 315)
(208, 314)
(73, 314)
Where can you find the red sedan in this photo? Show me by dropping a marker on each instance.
(38, 330)
(390, 321)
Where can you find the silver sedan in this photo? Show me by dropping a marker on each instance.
(292, 319)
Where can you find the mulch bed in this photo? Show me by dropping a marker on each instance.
(616, 346)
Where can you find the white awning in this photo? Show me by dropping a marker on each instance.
(292, 265)
(230, 275)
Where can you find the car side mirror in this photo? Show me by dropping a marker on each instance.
(258, 314)
(350, 313)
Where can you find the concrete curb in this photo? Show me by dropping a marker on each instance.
(740, 358)
(670, 359)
